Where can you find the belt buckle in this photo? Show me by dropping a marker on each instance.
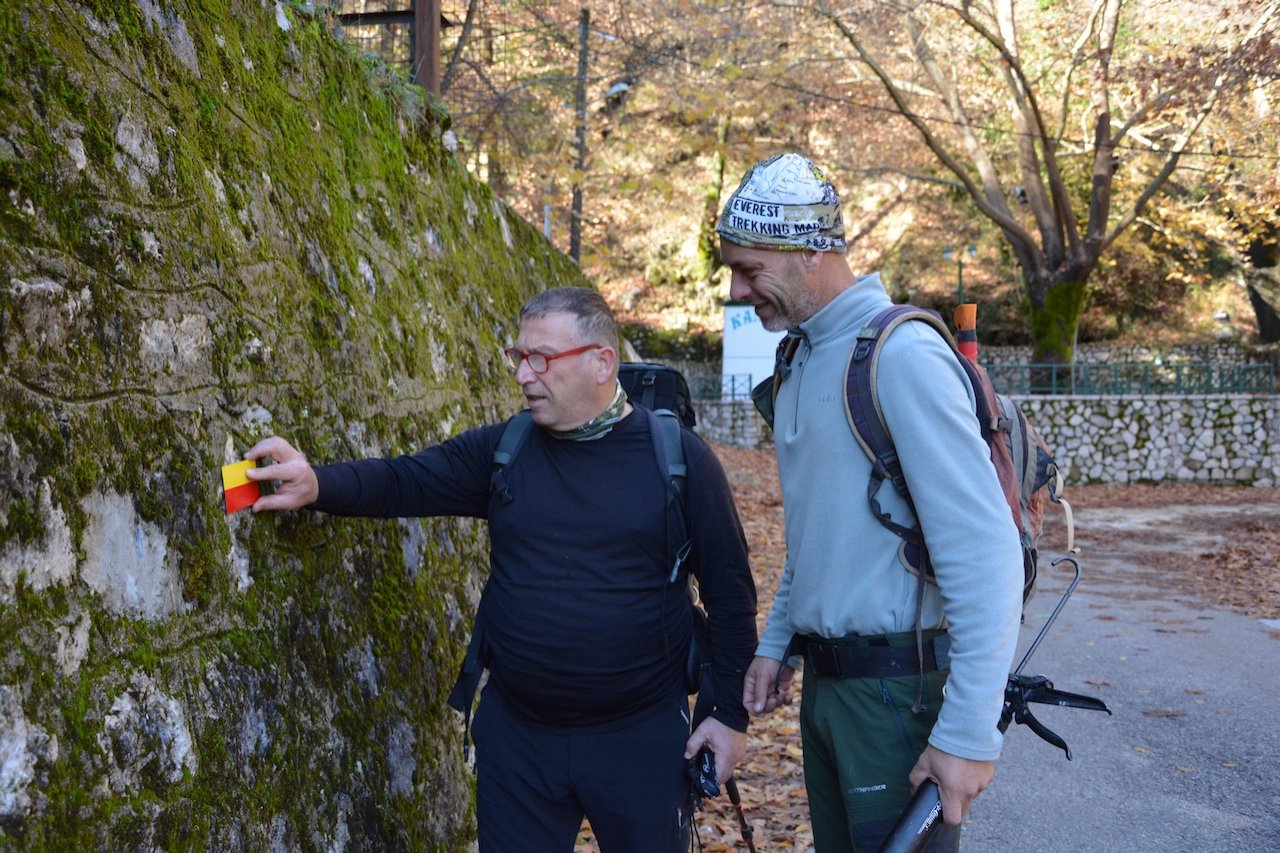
(826, 657)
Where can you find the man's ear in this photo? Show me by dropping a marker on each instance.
(810, 261)
(607, 371)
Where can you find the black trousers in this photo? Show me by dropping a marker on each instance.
(533, 787)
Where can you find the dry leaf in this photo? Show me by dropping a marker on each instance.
(1163, 712)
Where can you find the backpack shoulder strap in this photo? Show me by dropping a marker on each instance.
(464, 689)
(664, 425)
(513, 436)
(862, 397)
(647, 384)
(862, 400)
(668, 449)
(765, 395)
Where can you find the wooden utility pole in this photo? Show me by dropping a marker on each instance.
(580, 107)
(424, 21)
(426, 45)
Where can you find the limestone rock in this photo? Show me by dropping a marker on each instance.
(197, 251)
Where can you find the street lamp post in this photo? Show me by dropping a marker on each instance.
(959, 256)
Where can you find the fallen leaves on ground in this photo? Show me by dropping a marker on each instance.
(1241, 574)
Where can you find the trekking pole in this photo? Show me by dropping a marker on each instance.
(731, 787)
(919, 819)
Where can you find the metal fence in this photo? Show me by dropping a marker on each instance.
(734, 386)
(1133, 378)
(1081, 378)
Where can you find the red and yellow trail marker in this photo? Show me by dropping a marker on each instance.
(238, 490)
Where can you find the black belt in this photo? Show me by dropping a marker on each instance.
(828, 659)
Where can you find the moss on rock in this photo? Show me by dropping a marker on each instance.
(217, 221)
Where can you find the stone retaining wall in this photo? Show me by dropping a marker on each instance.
(1203, 439)
(1222, 439)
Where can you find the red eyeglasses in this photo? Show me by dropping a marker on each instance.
(539, 362)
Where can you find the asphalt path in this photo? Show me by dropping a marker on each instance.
(1189, 760)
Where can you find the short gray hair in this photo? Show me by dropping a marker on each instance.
(593, 319)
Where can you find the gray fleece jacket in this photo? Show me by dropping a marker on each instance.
(843, 572)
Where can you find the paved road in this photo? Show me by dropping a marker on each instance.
(1190, 759)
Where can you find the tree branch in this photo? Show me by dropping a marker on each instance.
(457, 47)
(1054, 216)
(1175, 154)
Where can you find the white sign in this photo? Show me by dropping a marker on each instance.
(748, 350)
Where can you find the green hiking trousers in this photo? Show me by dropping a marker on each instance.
(860, 742)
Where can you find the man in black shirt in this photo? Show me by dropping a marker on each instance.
(586, 633)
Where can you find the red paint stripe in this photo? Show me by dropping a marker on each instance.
(240, 497)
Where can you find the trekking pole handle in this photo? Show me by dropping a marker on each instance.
(918, 821)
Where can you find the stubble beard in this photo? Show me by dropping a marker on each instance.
(803, 306)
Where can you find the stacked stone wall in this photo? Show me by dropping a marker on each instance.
(1229, 439)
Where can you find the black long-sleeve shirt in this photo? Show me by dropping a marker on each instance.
(583, 627)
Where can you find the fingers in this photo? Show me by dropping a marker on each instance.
(695, 742)
(276, 448)
(960, 780)
(273, 446)
(757, 687)
(726, 744)
(767, 686)
(953, 808)
(782, 685)
(295, 481)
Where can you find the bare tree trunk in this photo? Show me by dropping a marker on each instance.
(456, 56)
(708, 262)
(580, 107)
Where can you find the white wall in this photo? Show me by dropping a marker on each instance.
(748, 347)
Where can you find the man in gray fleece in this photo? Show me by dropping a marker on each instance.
(873, 724)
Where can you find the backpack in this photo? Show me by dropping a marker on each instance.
(1024, 465)
(668, 405)
(657, 386)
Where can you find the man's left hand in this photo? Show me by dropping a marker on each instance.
(960, 780)
(728, 745)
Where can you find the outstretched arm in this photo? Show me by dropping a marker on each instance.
(297, 485)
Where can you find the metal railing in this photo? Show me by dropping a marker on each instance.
(734, 386)
(1080, 378)
(1133, 378)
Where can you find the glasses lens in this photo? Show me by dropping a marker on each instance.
(537, 361)
(512, 356)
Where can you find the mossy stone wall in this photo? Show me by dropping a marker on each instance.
(217, 221)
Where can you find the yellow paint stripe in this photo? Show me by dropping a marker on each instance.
(233, 475)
